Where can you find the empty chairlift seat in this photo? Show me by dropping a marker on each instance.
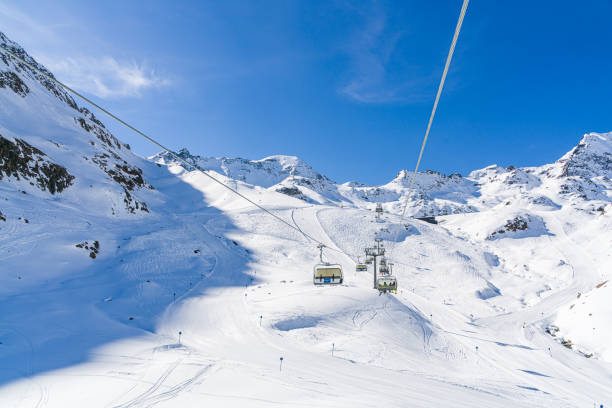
(361, 267)
(327, 274)
(384, 267)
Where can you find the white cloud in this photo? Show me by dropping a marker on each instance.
(105, 77)
(48, 43)
(369, 52)
(369, 91)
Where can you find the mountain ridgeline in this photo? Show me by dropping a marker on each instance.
(50, 144)
(580, 178)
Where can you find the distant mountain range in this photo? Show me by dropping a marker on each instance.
(35, 109)
(580, 178)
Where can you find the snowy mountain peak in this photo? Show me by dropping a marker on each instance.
(592, 157)
(285, 160)
(270, 171)
(402, 175)
(290, 164)
(581, 176)
(16, 49)
(15, 76)
(425, 182)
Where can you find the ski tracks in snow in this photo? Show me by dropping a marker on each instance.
(151, 390)
(44, 396)
(360, 322)
(153, 395)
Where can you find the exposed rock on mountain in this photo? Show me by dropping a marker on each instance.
(19, 159)
(93, 248)
(11, 80)
(51, 143)
(517, 224)
(291, 191)
(580, 176)
(591, 158)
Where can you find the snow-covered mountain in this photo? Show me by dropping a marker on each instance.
(434, 193)
(129, 282)
(51, 146)
(285, 174)
(580, 178)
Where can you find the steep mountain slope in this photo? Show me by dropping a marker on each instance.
(126, 283)
(51, 146)
(584, 324)
(90, 239)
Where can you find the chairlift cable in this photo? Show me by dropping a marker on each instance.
(155, 142)
(432, 115)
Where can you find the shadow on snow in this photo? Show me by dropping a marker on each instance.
(166, 257)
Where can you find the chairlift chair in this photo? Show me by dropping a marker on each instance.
(360, 266)
(326, 273)
(369, 261)
(383, 269)
(386, 283)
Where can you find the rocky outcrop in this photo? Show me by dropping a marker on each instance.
(12, 81)
(291, 192)
(127, 176)
(592, 157)
(93, 248)
(20, 160)
(519, 223)
(18, 71)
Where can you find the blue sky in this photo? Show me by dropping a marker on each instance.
(346, 86)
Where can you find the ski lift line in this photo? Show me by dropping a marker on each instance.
(155, 142)
(433, 113)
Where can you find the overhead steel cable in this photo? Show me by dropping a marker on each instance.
(432, 115)
(174, 155)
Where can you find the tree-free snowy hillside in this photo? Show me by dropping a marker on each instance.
(127, 282)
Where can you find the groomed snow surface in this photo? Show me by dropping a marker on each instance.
(467, 328)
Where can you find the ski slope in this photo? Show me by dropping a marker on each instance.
(434, 343)
(503, 303)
